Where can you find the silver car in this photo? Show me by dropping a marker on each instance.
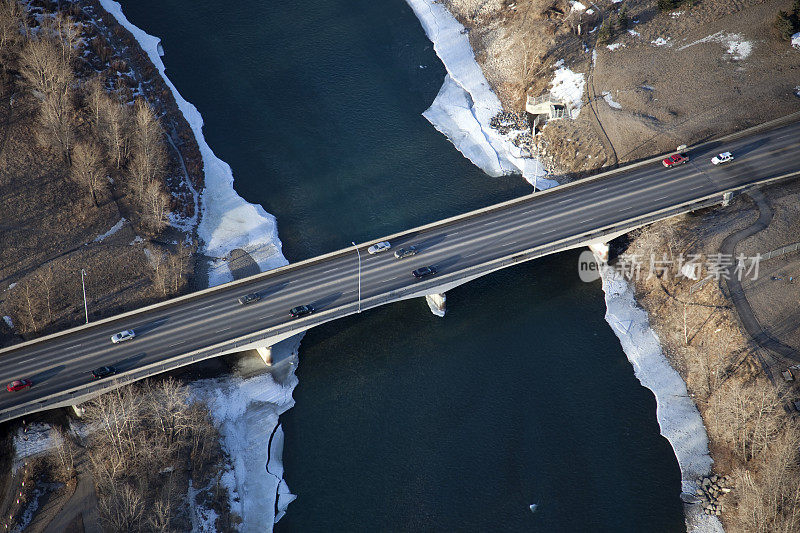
(122, 336)
(379, 247)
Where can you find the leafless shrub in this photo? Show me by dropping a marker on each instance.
(63, 458)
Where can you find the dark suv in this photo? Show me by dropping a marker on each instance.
(423, 272)
(406, 252)
(301, 310)
(103, 372)
(249, 298)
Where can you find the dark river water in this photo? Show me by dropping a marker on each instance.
(405, 421)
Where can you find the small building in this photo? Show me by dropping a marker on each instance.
(546, 107)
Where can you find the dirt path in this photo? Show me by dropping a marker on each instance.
(734, 285)
(81, 505)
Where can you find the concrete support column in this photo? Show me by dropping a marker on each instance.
(600, 251)
(77, 410)
(437, 303)
(726, 199)
(266, 354)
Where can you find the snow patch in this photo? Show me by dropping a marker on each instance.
(678, 418)
(737, 48)
(614, 46)
(661, 42)
(8, 321)
(634, 33)
(796, 40)
(115, 228)
(610, 100)
(569, 86)
(466, 103)
(11, 286)
(577, 6)
(136, 240)
(676, 14)
(32, 440)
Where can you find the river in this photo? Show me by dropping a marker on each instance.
(520, 395)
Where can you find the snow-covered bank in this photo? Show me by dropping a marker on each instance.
(228, 221)
(248, 409)
(678, 418)
(466, 103)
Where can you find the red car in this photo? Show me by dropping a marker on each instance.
(19, 384)
(676, 159)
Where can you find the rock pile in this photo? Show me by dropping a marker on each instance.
(507, 121)
(710, 491)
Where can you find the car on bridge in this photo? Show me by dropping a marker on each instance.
(724, 157)
(18, 385)
(253, 297)
(300, 310)
(675, 160)
(379, 247)
(424, 272)
(103, 372)
(123, 336)
(402, 253)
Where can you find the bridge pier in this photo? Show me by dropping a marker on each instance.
(77, 410)
(437, 303)
(600, 251)
(266, 354)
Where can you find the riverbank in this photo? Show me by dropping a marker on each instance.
(678, 417)
(227, 223)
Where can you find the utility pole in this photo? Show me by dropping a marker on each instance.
(359, 275)
(85, 305)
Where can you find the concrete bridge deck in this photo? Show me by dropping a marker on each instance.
(210, 323)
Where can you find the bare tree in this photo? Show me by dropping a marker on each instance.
(45, 281)
(149, 159)
(87, 168)
(156, 206)
(43, 67)
(64, 454)
(12, 19)
(122, 509)
(58, 130)
(114, 127)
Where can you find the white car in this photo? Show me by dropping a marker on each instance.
(379, 247)
(126, 335)
(724, 157)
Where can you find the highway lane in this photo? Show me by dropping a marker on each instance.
(64, 362)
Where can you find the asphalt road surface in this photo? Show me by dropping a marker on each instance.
(66, 361)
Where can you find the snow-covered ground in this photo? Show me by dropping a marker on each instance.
(247, 409)
(678, 418)
(796, 40)
(466, 103)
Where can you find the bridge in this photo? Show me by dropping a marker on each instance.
(211, 322)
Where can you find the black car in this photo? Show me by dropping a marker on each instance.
(103, 372)
(301, 310)
(249, 298)
(424, 272)
(406, 252)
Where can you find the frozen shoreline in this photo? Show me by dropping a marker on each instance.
(243, 409)
(466, 103)
(461, 111)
